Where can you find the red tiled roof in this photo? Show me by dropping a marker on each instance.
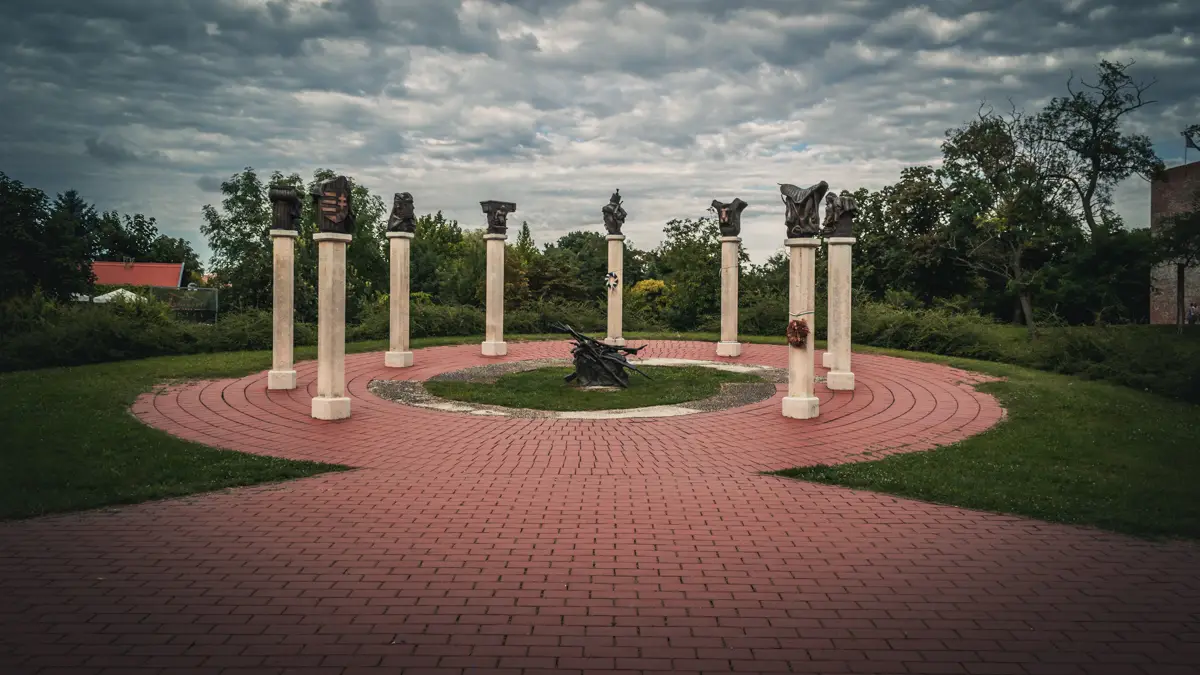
(167, 275)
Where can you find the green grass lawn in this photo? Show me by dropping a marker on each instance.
(544, 389)
(69, 442)
(1072, 451)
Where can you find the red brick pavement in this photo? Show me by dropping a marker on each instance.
(510, 545)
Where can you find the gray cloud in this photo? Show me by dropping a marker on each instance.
(551, 104)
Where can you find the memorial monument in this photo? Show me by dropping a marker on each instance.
(802, 219)
(614, 219)
(401, 229)
(285, 220)
(334, 210)
(729, 219)
(497, 232)
(598, 364)
(839, 232)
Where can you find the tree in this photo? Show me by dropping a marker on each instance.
(1015, 215)
(1177, 240)
(238, 237)
(43, 247)
(689, 262)
(1086, 126)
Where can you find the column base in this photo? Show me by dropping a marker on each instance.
(495, 348)
(398, 359)
(330, 408)
(281, 379)
(615, 341)
(843, 381)
(827, 359)
(729, 349)
(801, 408)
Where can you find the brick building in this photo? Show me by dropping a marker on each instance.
(1173, 194)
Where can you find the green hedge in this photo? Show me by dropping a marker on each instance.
(1152, 358)
(36, 333)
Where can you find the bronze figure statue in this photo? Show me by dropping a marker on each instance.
(598, 364)
(802, 216)
(285, 207)
(497, 215)
(334, 206)
(403, 218)
(839, 215)
(614, 214)
(729, 216)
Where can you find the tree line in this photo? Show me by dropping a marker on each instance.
(1016, 222)
(50, 245)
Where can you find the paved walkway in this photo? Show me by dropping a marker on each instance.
(480, 544)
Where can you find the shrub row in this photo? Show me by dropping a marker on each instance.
(36, 333)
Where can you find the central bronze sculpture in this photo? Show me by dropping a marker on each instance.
(598, 364)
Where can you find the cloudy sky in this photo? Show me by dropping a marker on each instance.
(146, 105)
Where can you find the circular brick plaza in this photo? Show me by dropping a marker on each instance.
(466, 543)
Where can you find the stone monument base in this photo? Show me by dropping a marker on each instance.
(495, 348)
(729, 349)
(331, 408)
(281, 379)
(801, 408)
(827, 359)
(839, 381)
(616, 342)
(398, 359)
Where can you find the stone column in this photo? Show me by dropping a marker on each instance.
(398, 354)
(837, 353)
(801, 402)
(730, 263)
(493, 342)
(331, 402)
(616, 296)
(283, 371)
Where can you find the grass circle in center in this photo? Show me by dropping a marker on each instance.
(544, 389)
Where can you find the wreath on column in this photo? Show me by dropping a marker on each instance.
(797, 333)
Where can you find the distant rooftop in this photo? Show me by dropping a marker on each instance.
(164, 275)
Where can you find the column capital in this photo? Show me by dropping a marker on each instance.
(493, 236)
(332, 236)
(401, 235)
(735, 240)
(615, 237)
(290, 234)
(802, 242)
(845, 241)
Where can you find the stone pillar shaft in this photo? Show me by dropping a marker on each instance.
(616, 296)
(840, 376)
(730, 270)
(801, 402)
(493, 342)
(398, 354)
(283, 372)
(331, 402)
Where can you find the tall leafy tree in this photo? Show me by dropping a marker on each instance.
(1094, 153)
(1017, 214)
(44, 247)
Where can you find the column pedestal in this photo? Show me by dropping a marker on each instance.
(398, 354)
(493, 342)
(801, 402)
(837, 354)
(616, 296)
(331, 402)
(282, 375)
(730, 252)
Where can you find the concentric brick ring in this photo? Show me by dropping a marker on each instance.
(898, 406)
